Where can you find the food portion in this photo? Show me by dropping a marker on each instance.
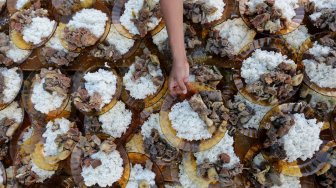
(205, 74)
(68, 7)
(142, 176)
(114, 122)
(141, 16)
(220, 163)
(114, 47)
(297, 37)
(60, 137)
(203, 11)
(320, 62)
(229, 38)
(10, 120)
(155, 144)
(54, 52)
(322, 13)
(49, 90)
(84, 29)
(293, 136)
(270, 76)
(101, 164)
(9, 53)
(98, 90)
(144, 77)
(270, 15)
(245, 114)
(199, 117)
(10, 84)
(262, 174)
(33, 25)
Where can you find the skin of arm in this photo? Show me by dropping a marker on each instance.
(172, 11)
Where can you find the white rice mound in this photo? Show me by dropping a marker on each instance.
(142, 87)
(20, 4)
(320, 4)
(42, 174)
(92, 19)
(50, 147)
(297, 37)
(237, 33)
(224, 146)
(220, 5)
(13, 111)
(132, 9)
(160, 38)
(188, 123)
(153, 122)
(261, 62)
(121, 43)
(116, 121)
(12, 83)
(107, 173)
(103, 82)
(138, 173)
(259, 111)
(43, 101)
(286, 6)
(39, 29)
(16, 54)
(321, 74)
(302, 140)
(288, 182)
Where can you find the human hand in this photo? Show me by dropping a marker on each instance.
(179, 77)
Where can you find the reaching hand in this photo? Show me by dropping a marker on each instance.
(179, 77)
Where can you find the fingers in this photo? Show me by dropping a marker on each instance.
(182, 86)
(172, 85)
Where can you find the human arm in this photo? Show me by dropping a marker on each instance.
(172, 11)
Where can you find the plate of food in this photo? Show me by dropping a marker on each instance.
(31, 28)
(229, 38)
(195, 121)
(46, 94)
(272, 16)
(59, 137)
(54, 54)
(135, 19)
(11, 119)
(269, 74)
(96, 161)
(321, 12)
(10, 54)
(218, 166)
(318, 58)
(114, 123)
(98, 91)
(144, 172)
(86, 28)
(144, 82)
(29, 168)
(292, 139)
(11, 80)
(261, 172)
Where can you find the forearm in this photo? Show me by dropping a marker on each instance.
(172, 11)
